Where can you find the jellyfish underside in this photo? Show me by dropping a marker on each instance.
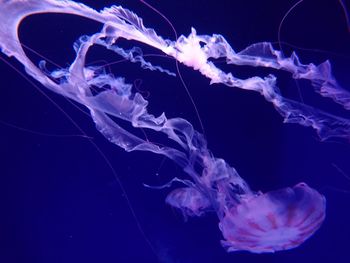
(252, 221)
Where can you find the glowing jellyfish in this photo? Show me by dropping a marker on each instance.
(253, 221)
(273, 221)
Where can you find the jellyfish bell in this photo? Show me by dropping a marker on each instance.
(189, 201)
(277, 220)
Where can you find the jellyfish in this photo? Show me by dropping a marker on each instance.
(249, 220)
(273, 221)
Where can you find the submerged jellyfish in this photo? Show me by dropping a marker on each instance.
(273, 221)
(252, 221)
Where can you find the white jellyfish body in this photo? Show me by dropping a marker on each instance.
(189, 200)
(277, 220)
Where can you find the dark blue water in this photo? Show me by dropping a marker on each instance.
(61, 201)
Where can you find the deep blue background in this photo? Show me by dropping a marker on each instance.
(60, 200)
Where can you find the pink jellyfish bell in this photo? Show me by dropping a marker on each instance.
(276, 220)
